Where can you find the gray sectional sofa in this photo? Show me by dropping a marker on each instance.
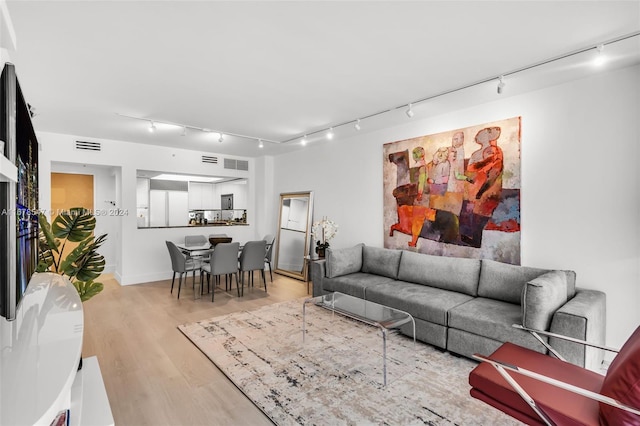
(468, 306)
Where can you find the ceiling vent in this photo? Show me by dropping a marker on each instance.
(230, 163)
(209, 160)
(88, 146)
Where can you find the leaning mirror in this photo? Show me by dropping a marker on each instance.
(294, 230)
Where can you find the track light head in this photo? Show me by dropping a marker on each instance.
(501, 84)
(330, 133)
(184, 131)
(357, 125)
(260, 143)
(409, 111)
(152, 127)
(303, 141)
(220, 138)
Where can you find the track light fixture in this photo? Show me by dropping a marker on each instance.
(357, 125)
(303, 142)
(501, 84)
(184, 131)
(152, 127)
(260, 143)
(409, 111)
(220, 138)
(330, 133)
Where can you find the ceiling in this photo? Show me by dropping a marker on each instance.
(279, 70)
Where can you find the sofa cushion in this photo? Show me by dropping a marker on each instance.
(622, 383)
(381, 261)
(355, 284)
(502, 281)
(492, 319)
(448, 273)
(541, 298)
(344, 261)
(427, 303)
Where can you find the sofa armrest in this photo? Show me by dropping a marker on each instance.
(317, 276)
(582, 317)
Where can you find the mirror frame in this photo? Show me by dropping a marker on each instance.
(307, 240)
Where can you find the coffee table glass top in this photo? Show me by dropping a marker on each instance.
(363, 310)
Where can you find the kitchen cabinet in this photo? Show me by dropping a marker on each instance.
(168, 208)
(201, 196)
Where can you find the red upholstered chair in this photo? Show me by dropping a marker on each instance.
(539, 389)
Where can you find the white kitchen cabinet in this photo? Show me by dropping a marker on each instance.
(201, 196)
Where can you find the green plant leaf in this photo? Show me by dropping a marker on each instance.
(88, 289)
(84, 262)
(75, 225)
(47, 245)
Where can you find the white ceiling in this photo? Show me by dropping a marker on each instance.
(278, 70)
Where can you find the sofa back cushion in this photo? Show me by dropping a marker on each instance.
(448, 273)
(622, 383)
(343, 261)
(541, 298)
(502, 281)
(381, 261)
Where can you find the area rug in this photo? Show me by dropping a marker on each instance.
(335, 377)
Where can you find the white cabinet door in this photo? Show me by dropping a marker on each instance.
(207, 196)
(158, 208)
(142, 192)
(195, 196)
(178, 207)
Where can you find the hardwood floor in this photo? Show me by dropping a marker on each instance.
(152, 373)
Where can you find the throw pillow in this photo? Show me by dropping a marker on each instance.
(541, 298)
(343, 261)
(381, 261)
(622, 383)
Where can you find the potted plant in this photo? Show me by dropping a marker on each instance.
(82, 264)
(323, 231)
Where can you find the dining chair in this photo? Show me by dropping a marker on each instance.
(270, 239)
(252, 259)
(223, 261)
(182, 264)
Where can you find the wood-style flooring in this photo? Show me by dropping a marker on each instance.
(152, 373)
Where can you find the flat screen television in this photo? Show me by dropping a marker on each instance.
(19, 200)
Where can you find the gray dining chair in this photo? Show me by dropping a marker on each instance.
(182, 264)
(252, 259)
(223, 261)
(270, 239)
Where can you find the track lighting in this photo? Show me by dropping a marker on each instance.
(303, 142)
(260, 143)
(184, 131)
(357, 125)
(600, 59)
(409, 111)
(330, 133)
(501, 84)
(220, 138)
(152, 127)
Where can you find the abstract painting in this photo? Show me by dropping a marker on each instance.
(455, 193)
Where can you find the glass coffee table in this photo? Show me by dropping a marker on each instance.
(383, 317)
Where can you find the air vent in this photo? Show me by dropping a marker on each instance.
(236, 164)
(243, 165)
(210, 160)
(89, 146)
(230, 163)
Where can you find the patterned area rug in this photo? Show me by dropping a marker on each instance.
(335, 377)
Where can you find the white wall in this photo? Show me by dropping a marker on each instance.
(579, 207)
(140, 254)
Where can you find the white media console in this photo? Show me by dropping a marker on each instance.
(41, 349)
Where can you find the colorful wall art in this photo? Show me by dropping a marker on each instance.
(455, 193)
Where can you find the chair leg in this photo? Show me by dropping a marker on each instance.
(213, 291)
(270, 271)
(180, 284)
(173, 280)
(264, 279)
